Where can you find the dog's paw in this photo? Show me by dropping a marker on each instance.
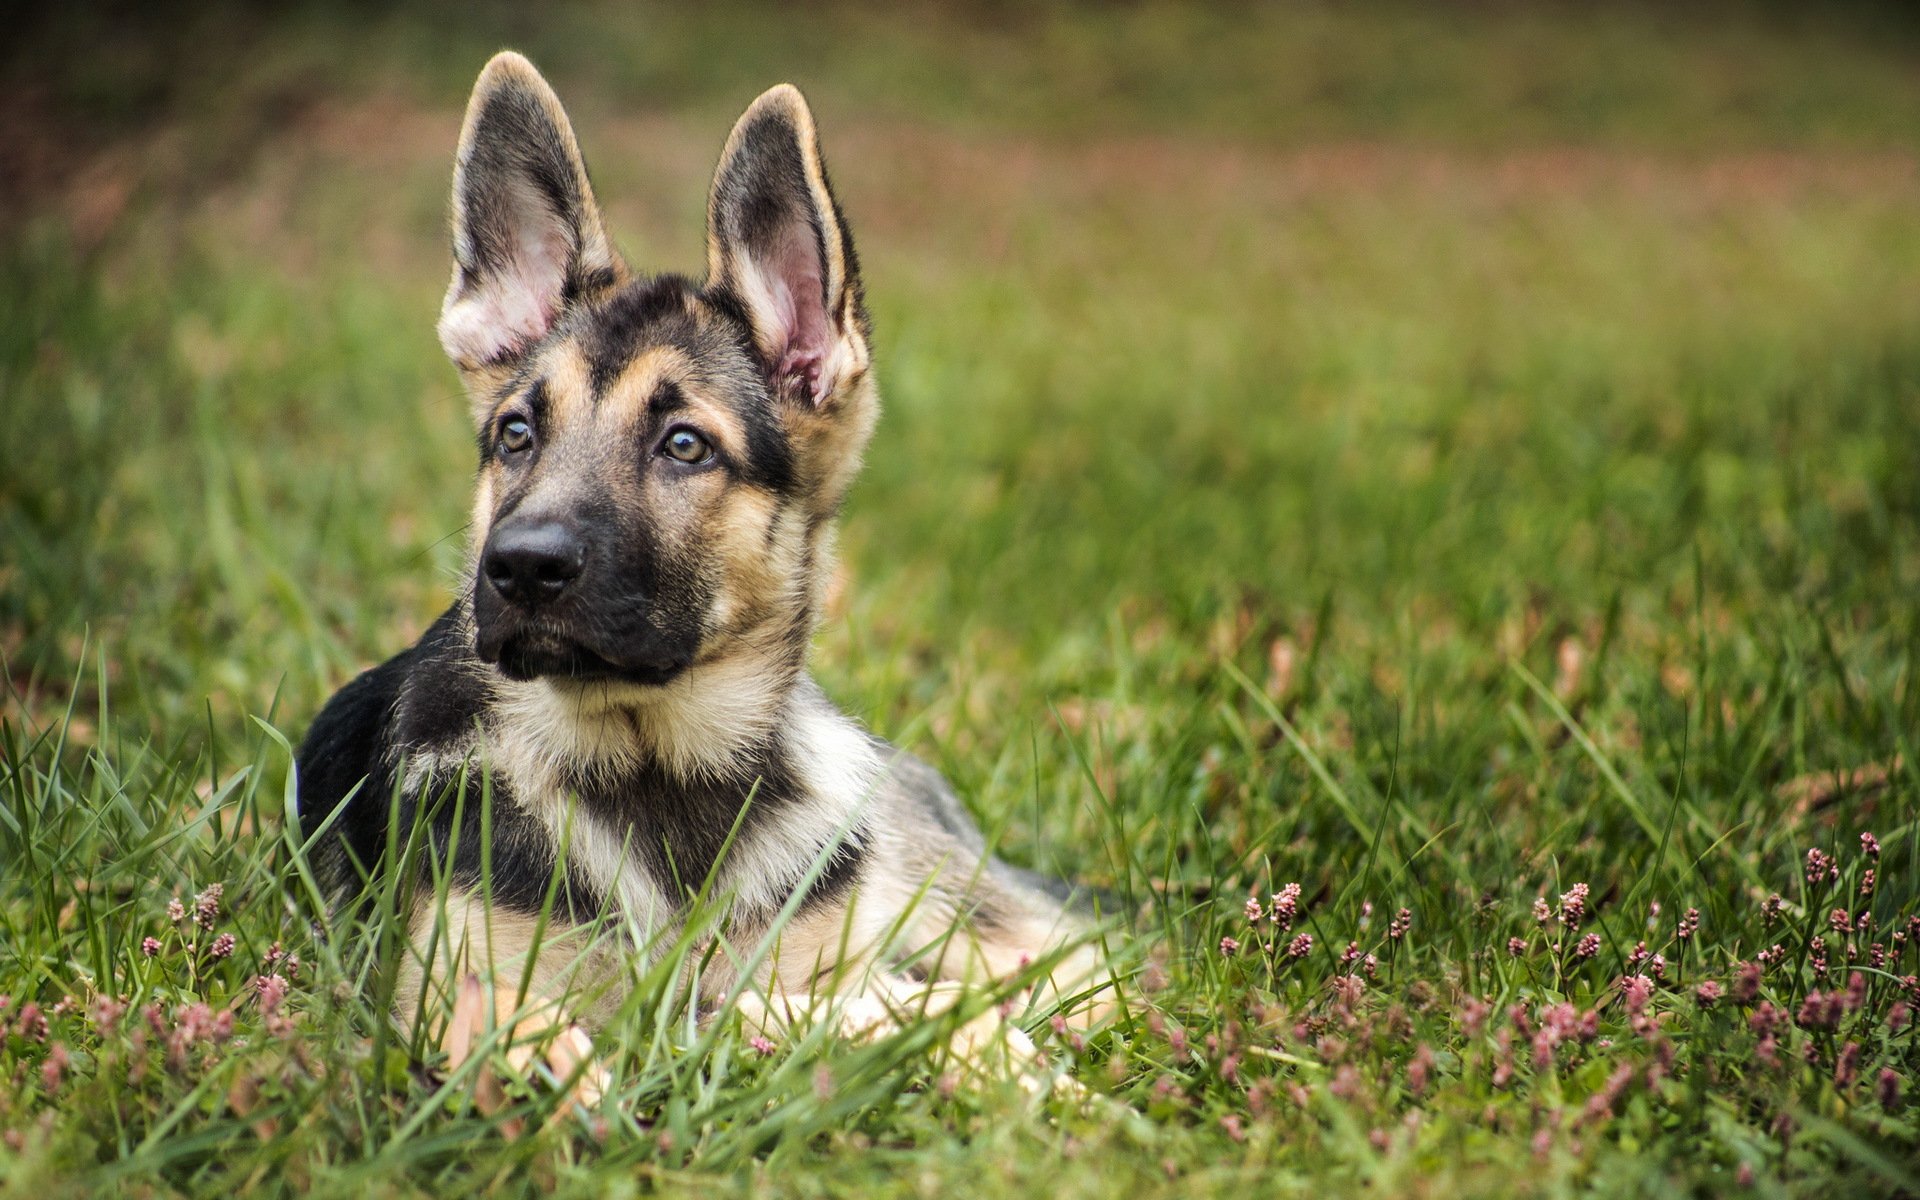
(984, 1048)
(540, 1047)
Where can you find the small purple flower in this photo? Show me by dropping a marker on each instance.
(1516, 946)
(1820, 1011)
(1856, 992)
(1301, 946)
(1707, 994)
(1689, 924)
(1401, 923)
(1589, 947)
(1285, 908)
(271, 991)
(1637, 989)
(1229, 947)
(1847, 1067)
(222, 946)
(54, 1070)
(1869, 845)
(150, 947)
(32, 1024)
(206, 906)
(1887, 1090)
(1772, 909)
(1573, 905)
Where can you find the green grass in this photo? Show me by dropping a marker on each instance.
(1435, 455)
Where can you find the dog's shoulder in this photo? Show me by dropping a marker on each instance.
(423, 698)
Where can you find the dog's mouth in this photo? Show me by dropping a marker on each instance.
(536, 654)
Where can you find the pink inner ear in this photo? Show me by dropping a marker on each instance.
(803, 333)
(503, 313)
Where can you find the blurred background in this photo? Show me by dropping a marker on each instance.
(1360, 347)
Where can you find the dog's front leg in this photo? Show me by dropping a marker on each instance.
(496, 981)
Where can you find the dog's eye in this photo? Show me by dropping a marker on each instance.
(515, 435)
(684, 445)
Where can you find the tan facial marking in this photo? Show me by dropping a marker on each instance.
(626, 398)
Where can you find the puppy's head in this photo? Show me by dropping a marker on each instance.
(659, 459)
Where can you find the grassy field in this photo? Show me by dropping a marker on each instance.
(1460, 460)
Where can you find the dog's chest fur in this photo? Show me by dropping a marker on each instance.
(648, 802)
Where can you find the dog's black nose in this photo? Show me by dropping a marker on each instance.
(531, 564)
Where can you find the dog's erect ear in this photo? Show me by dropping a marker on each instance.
(775, 240)
(527, 236)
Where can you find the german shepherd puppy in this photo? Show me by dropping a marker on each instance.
(661, 462)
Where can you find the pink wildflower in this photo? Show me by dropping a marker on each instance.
(1301, 946)
(222, 946)
(1473, 1015)
(1688, 924)
(1542, 912)
(1869, 845)
(271, 992)
(1285, 908)
(1401, 923)
(1746, 982)
(1516, 946)
(54, 1070)
(1419, 1069)
(1821, 868)
(1820, 1011)
(1600, 1104)
(1847, 1067)
(1589, 946)
(1637, 989)
(1254, 911)
(1772, 909)
(176, 911)
(206, 906)
(1841, 922)
(761, 1045)
(150, 947)
(1856, 992)
(32, 1024)
(1707, 994)
(1573, 905)
(1229, 947)
(1887, 1090)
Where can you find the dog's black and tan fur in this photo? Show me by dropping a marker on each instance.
(661, 462)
